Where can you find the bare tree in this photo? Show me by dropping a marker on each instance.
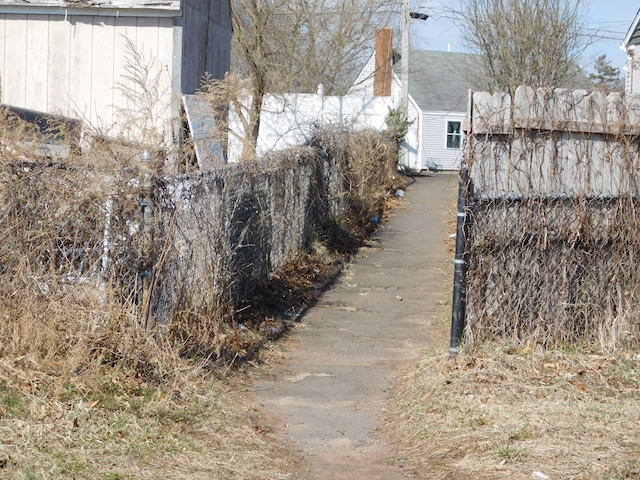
(524, 42)
(295, 45)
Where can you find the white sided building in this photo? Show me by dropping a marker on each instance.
(437, 106)
(120, 66)
(631, 46)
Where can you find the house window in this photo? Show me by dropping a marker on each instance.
(454, 134)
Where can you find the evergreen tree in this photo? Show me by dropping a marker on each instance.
(606, 77)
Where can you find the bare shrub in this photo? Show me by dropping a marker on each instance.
(71, 259)
(370, 168)
(106, 264)
(529, 42)
(142, 89)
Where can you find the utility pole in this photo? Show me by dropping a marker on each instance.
(407, 15)
(404, 52)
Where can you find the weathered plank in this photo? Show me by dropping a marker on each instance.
(201, 119)
(14, 90)
(58, 66)
(554, 143)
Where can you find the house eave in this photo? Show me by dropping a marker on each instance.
(632, 34)
(445, 113)
(112, 9)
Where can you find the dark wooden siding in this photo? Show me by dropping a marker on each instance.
(206, 43)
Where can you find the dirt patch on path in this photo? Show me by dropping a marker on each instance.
(335, 381)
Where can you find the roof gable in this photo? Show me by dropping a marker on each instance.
(633, 35)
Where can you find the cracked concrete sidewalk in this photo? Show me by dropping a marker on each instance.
(334, 384)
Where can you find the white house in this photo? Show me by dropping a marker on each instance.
(117, 65)
(439, 85)
(632, 68)
(437, 106)
(440, 89)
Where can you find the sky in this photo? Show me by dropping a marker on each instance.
(607, 22)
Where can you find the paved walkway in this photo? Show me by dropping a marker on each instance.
(334, 383)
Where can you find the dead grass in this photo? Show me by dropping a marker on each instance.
(86, 392)
(85, 399)
(498, 412)
(122, 429)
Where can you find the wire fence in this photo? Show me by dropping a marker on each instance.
(553, 242)
(107, 246)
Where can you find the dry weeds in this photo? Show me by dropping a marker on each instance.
(120, 428)
(86, 391)
(499, 412)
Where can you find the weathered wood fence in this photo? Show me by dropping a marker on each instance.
(553, 245)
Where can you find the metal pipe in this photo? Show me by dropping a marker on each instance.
(106, 250)
(460, 267)
(146, 226)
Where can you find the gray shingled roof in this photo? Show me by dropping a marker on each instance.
(438, 81)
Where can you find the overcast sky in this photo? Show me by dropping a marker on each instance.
(607, 22)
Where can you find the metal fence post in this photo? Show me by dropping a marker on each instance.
(460, 267)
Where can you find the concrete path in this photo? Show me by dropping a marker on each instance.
(334, 383)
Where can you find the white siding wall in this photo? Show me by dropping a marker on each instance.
(632, 74)
(363, 85)
(59, 63)
(434, 140)
(14, 79)
(76, 66)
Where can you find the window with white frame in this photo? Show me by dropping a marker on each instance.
(454, 134)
